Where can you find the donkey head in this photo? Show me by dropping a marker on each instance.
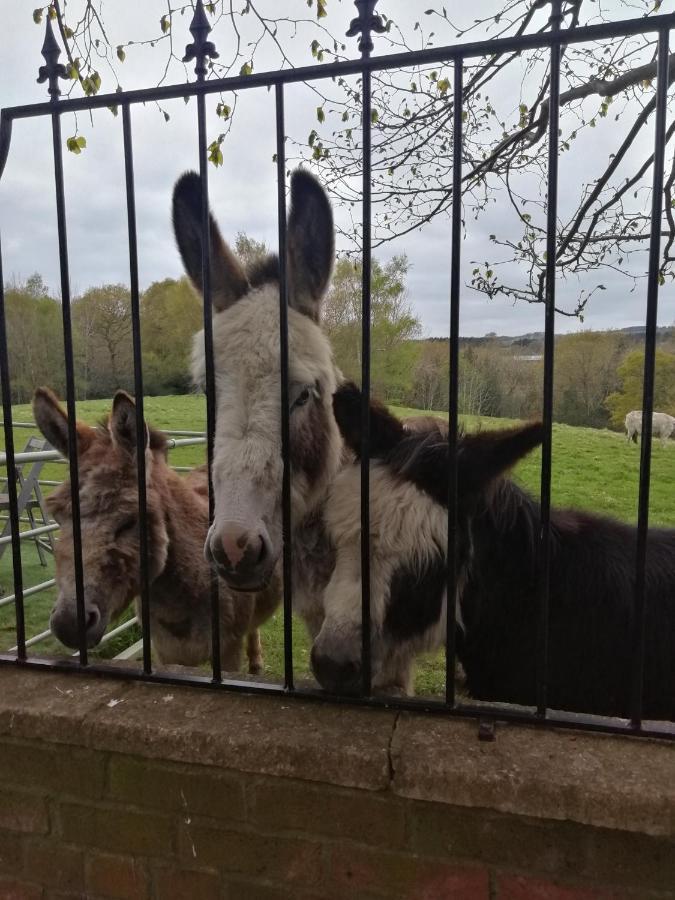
(244, 541)
(108, 514)
(408, 521)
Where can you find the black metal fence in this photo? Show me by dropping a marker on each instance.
(367, 21)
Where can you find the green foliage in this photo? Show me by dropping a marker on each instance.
(214, 151)
(76, 144)
(585, 375)
(631, 374)
(392, 323)
(34, 337)
(171, 312)
(102, 340)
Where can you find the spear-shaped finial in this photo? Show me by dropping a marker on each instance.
(53, 69)
(200, 48)
(364, 23)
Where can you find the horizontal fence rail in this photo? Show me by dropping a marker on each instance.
(201, 50)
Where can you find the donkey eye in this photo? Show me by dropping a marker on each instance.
(127, 525)
(301, 399)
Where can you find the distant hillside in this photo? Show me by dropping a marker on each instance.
(533, 341)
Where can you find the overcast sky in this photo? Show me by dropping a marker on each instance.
(243, 191)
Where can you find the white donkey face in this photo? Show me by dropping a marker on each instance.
(244, 541)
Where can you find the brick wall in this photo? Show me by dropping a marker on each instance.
(126, 792)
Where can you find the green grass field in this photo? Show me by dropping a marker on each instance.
(592, 469)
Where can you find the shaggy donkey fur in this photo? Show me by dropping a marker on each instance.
(591, 585)
(180, 595)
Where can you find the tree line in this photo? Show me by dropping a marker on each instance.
(598, 375)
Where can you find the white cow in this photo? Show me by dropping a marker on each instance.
(663, 425)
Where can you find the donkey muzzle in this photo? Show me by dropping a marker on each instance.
(336, 676)
(243, 558)
(64, 624)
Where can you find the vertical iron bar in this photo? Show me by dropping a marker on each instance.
(365, 388)
(210, 373)
(70, 384)
(453, 390)
(639, 630)
(285, 407)
(138, 387)
(544, 567)
(17, 570)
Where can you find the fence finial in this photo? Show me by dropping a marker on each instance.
(200, 48)
(366, 21)
(53, 69)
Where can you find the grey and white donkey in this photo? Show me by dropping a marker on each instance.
(245, 540)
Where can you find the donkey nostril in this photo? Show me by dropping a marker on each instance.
(93, 618)
(262, 553)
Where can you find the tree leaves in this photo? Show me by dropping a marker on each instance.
(76, 144)
(91, 84)
(37, 15)
(121, 55)
(246, 69)
(214, 152)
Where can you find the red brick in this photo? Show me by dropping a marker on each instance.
(55, 865)
(11, 853)
(355, 870)
(284, 805)
(246, 890)
(196, 790)
(242, 889)
(52, 767)
(65, 895)
(116, 877)
(279, 859)
(23, 812)
(521, 887)
(19, 890)
(117, 830)
(185, 884)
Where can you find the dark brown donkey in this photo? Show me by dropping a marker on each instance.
(180, 619)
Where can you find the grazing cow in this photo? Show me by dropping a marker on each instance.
(663, 426)
(180, 604)
(591, 623)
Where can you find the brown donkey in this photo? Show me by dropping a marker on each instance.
(180, 619)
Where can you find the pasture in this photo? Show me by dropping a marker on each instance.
(592, 469)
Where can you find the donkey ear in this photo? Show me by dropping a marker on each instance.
(385, 430)
(52, 420)
(423, 459)
(489, 454)
(123, 423)
(311, 244)
(228, 278)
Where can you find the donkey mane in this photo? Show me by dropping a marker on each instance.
(264, 270)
